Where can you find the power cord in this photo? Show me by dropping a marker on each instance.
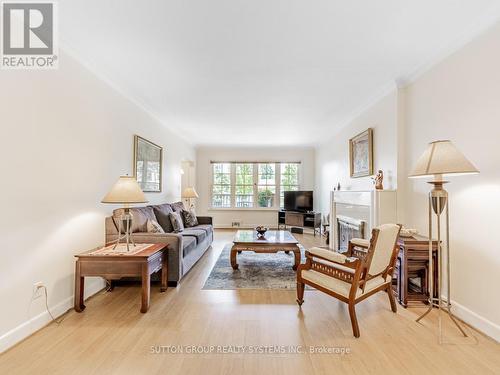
(47, 305)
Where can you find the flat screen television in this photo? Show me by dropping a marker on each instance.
(300, 201)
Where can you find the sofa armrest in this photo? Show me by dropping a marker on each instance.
(205, 220)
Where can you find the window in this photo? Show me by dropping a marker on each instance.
(266, 189)
(221, 189)
(289, 180)
(252, 185)
(244, 185)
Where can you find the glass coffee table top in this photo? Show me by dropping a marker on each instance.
(270, 237)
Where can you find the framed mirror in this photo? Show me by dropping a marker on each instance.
(148, 160)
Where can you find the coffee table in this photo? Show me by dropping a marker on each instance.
(272, 242)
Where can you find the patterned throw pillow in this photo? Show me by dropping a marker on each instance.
(176, 220)
(177, 206)
(189, 217)
(154, 227)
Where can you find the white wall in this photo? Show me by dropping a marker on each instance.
(66, 138)
(248, 217)
(459, 100)
(332, 156)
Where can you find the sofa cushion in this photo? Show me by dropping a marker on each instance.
(206, 227)
(199, 234)
(177, 206)
(162, 212)
(188, 245)
(176, 220)
(140, 217)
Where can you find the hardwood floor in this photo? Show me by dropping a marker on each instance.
(113, 337)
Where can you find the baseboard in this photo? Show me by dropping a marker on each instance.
(16, 335)
(477, 321)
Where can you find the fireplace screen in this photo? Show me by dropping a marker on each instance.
(348, 228)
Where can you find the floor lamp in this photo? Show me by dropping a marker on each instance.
(188, 194)
(125, 191)
(441, 158)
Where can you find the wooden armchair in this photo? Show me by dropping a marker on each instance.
(365, 269)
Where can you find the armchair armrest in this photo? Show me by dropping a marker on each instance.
(205, 220)
(332, 256)
(360, 242)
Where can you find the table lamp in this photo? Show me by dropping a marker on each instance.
(188, 194)
(125, 191)
(441, 158)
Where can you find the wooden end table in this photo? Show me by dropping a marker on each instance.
(272, 242)
(151, 259)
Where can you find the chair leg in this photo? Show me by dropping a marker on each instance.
(392, 300)
(354, 320)
(300, 293)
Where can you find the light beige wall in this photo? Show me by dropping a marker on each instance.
(249, 218)
(332, 157)
(459, 100)
(66, 138)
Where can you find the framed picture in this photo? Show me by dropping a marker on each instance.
(148, 160)
(361, 154)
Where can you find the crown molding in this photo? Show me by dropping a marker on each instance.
(91, 67)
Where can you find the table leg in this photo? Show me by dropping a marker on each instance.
(234, 262)
(146, 288)
(79, 289)
(296, 254)
(164, 273)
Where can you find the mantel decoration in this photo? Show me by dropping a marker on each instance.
(378, 180)
(361, 154)
(148, 160)
(441, 158)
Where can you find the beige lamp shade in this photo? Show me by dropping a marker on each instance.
(125, 190)
(442, 158)
(189, 192)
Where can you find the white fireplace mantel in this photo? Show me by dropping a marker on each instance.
(375, 207)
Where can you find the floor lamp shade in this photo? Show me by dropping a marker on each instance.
(442, 158)
(190, 192)
(125, 191)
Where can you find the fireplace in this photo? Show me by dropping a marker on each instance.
(348, 228)
(355, 213)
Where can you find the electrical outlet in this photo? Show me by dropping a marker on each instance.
(37, 290)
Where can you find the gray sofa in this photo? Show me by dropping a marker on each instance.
(185, 248)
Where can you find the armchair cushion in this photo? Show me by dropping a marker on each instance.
(341, 287)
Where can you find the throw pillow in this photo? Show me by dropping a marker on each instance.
(177, 206)
(162, 213)
(154, 227)
(189, 217)
(176, 220)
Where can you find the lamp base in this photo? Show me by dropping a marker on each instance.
(125, 222)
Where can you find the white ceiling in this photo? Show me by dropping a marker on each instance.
(267, 72)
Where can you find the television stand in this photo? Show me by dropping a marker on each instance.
(300, 220)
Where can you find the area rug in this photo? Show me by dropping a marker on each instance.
(256, 271)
